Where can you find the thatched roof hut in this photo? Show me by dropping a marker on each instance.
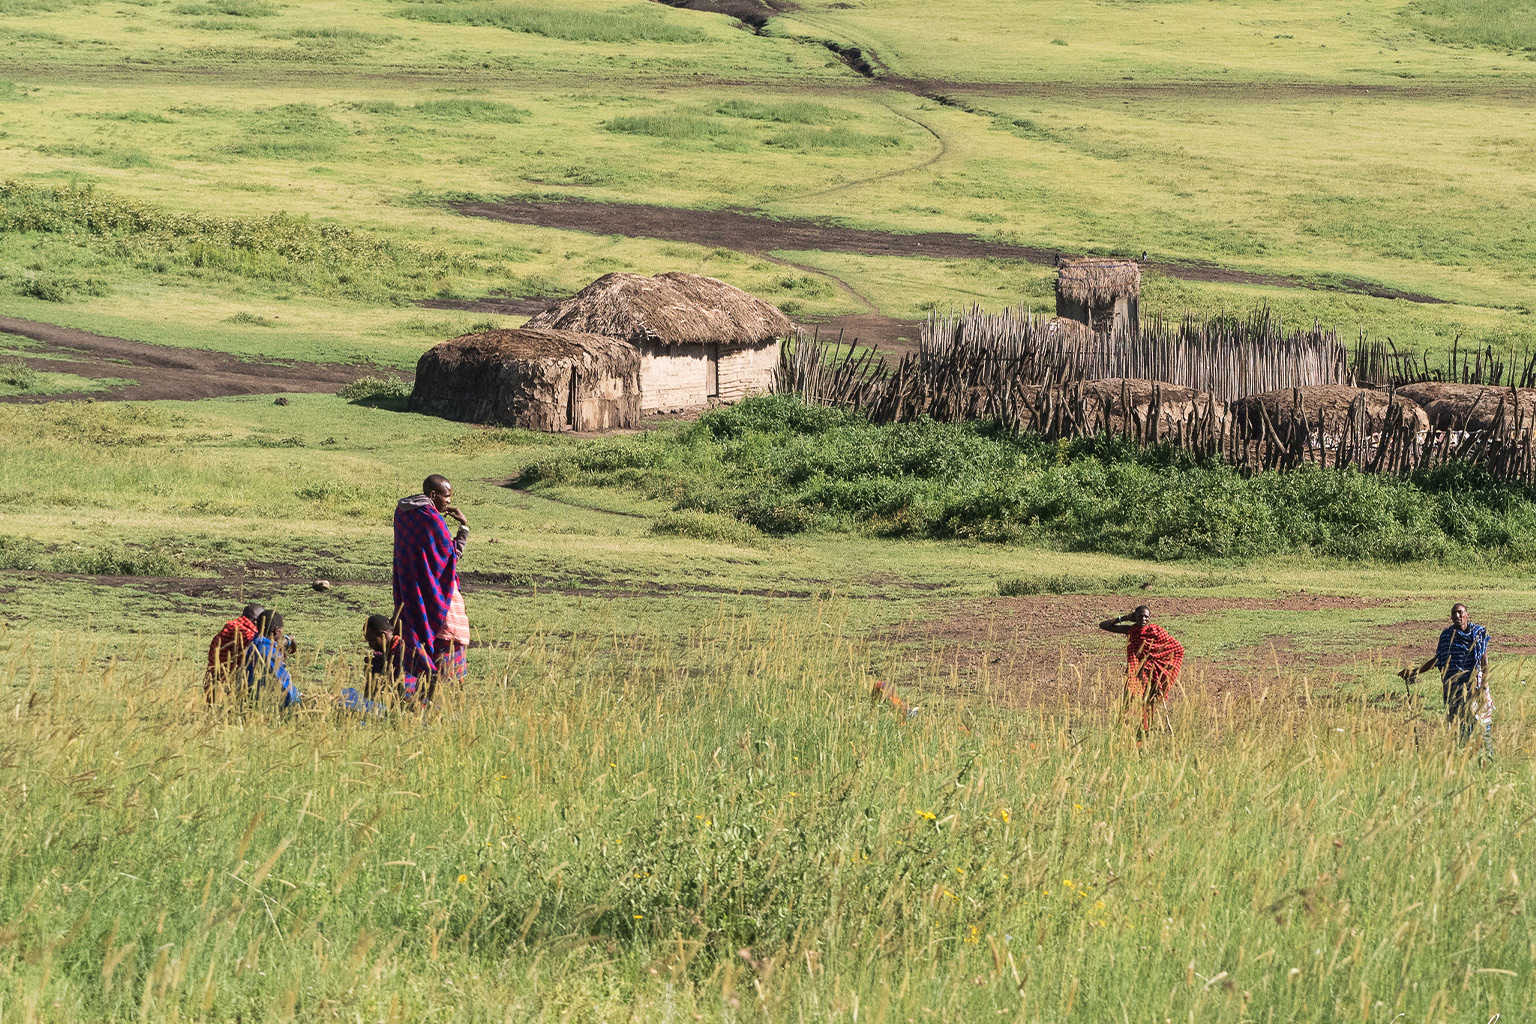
(701, 340)
(541, 380)
(1101, 293)
(1330, 405)
(1451, 406)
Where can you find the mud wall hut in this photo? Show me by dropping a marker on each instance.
(700, 340)
(1453, 406)
(1329, 409)
(1102, 294)
(541, 380)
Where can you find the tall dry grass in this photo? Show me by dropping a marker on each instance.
(732, 830)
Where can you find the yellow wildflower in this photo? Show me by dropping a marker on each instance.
(463, 879)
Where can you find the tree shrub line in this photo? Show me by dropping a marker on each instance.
(783, 467)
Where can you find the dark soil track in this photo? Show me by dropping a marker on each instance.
(184, 374)
(750, 231)
(752, 13)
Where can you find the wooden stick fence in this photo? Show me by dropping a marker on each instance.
(1009, 369)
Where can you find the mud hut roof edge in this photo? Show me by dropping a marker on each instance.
(668, 309)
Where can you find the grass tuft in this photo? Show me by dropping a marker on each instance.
(624, 25)
(366, 389)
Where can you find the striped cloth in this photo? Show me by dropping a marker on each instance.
(1459, 657)
(426, 587)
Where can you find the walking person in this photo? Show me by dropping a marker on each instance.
(429, 608)
(1152, 662)
(1462, 658)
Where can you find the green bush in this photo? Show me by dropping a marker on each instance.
(624, 25)
(1501, 24)
(1070, 583)
(17, 374)
(369, 388)
(704, 526)
(319, 258)
(783, 467)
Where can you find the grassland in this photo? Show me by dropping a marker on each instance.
(1305, 142)
(665, 790)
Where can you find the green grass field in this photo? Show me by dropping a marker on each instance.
(665, 792)
(1301, 141)
(665, 789)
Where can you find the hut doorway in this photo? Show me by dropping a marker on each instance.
(712, 371)
(571, 418)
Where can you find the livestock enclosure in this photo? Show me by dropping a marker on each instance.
(1172, 384)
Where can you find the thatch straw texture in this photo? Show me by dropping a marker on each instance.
(541, 380)
(1473, 406)
(668, 309)
(1098, 280)
(1329, 406)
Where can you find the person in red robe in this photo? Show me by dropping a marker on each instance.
(226, 652)
(1152, 662)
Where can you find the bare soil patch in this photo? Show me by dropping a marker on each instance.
(184, 374)
(1048, 648)
(756, 232)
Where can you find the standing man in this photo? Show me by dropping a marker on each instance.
(428, 605)
(1152, 662)
(1462, 658)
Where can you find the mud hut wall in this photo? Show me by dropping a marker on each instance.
(1125, 314)
(673, 377)
(747, 370)
(533, 394)
(604, 401)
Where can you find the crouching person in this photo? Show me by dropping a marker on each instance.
(226, 652)
(266, 661)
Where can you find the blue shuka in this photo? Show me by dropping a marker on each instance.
(264, 664)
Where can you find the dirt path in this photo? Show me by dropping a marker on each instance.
(161, 372)
(757, 233)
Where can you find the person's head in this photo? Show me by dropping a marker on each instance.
(378, 631)
(1142, 615)
(252, 611)
(1459, 616)
(439, 490)
(269, 624)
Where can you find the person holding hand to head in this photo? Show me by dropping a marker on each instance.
(429, 607)
(1152, 662)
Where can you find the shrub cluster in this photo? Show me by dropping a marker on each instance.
(368, 388)
(321, 258)
(783, 467)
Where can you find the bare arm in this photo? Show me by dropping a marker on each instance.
(452, 512)
(1116, 625)
(1409, 673)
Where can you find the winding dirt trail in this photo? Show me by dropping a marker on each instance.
(758, 233)
(161, 372)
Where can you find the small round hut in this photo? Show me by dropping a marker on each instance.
(700, 340)
(541, 380)
(1328, 407)
(1452, 406)
(1100, 293)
